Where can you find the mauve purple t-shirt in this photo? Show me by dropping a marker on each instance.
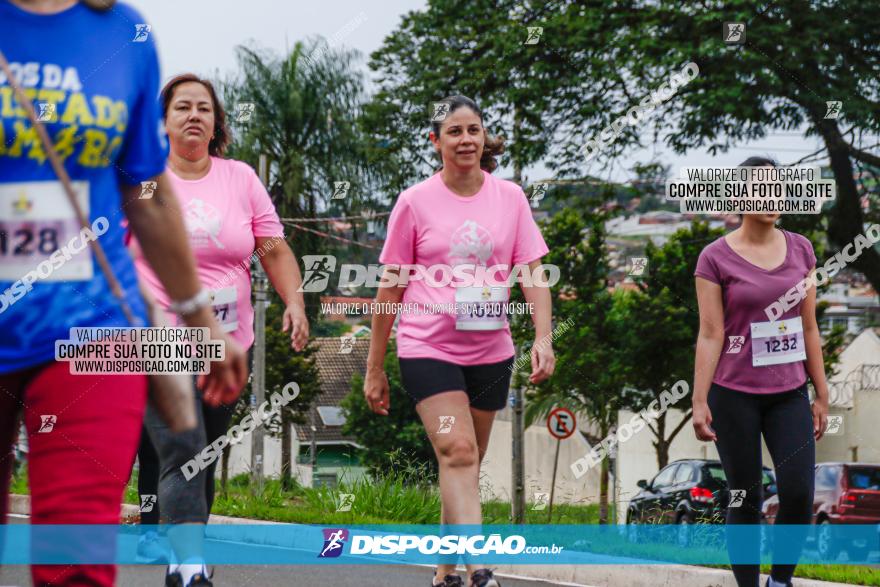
(746, 291)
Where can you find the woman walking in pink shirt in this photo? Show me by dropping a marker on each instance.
(751, 377)
(456, 366)
(229, 217)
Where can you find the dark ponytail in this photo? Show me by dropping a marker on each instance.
(492, 146)
(759, 162)
(99, 5)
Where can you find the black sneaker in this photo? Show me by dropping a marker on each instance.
(200, 580)
(484, 578)
(448, 581)
(767, 584)
(173, 579)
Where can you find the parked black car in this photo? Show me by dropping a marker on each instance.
(685, 492)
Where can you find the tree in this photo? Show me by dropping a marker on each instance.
(662, 325)
(597, 59)
(588, 378)
(474, 48)
(392, 439)
(306, 120)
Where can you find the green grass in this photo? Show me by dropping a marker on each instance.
(399, 500)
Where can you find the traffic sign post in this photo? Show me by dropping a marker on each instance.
(561, 423)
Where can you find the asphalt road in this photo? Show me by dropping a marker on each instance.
(275, 576)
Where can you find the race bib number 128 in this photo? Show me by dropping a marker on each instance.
(36, 220)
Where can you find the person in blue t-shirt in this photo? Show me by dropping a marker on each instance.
(92, 75)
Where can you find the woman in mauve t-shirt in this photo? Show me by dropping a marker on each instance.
(758, 342)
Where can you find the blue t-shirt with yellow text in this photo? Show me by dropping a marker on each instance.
(93, 78)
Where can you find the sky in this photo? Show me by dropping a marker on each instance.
(201, 36)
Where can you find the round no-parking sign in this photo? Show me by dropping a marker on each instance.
(561, 423)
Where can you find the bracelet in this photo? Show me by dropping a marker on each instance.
(192, 305)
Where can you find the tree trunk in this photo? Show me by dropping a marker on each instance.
(286, 441)
(224, 468)
(517, 166)
(847, 220)
(603, 484)
(662, 444)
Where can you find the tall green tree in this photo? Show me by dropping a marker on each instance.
(306, 118)
(596, 59)
(588, 378)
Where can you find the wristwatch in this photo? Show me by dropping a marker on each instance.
(192, 305)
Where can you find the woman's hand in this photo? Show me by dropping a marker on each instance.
(543, 362)
(295, 320)
(820, 417)
(702, 418)
(224, 382)
(377, 391)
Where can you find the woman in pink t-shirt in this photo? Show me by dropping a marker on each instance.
(754, 353)
(229, 218)
(453, 339)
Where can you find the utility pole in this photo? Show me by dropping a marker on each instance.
(260, 287)
(518, 499)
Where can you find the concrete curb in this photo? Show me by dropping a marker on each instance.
(609, 575)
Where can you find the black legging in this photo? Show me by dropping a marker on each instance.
(786, 422)
(216, 422)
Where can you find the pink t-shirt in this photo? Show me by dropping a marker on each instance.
(431, 225)
(224, 212)
(747, 290)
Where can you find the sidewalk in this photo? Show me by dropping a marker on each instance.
(576, 575)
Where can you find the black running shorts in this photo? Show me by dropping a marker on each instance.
(487, 385)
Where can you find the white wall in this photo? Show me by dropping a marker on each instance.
(539, 452)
